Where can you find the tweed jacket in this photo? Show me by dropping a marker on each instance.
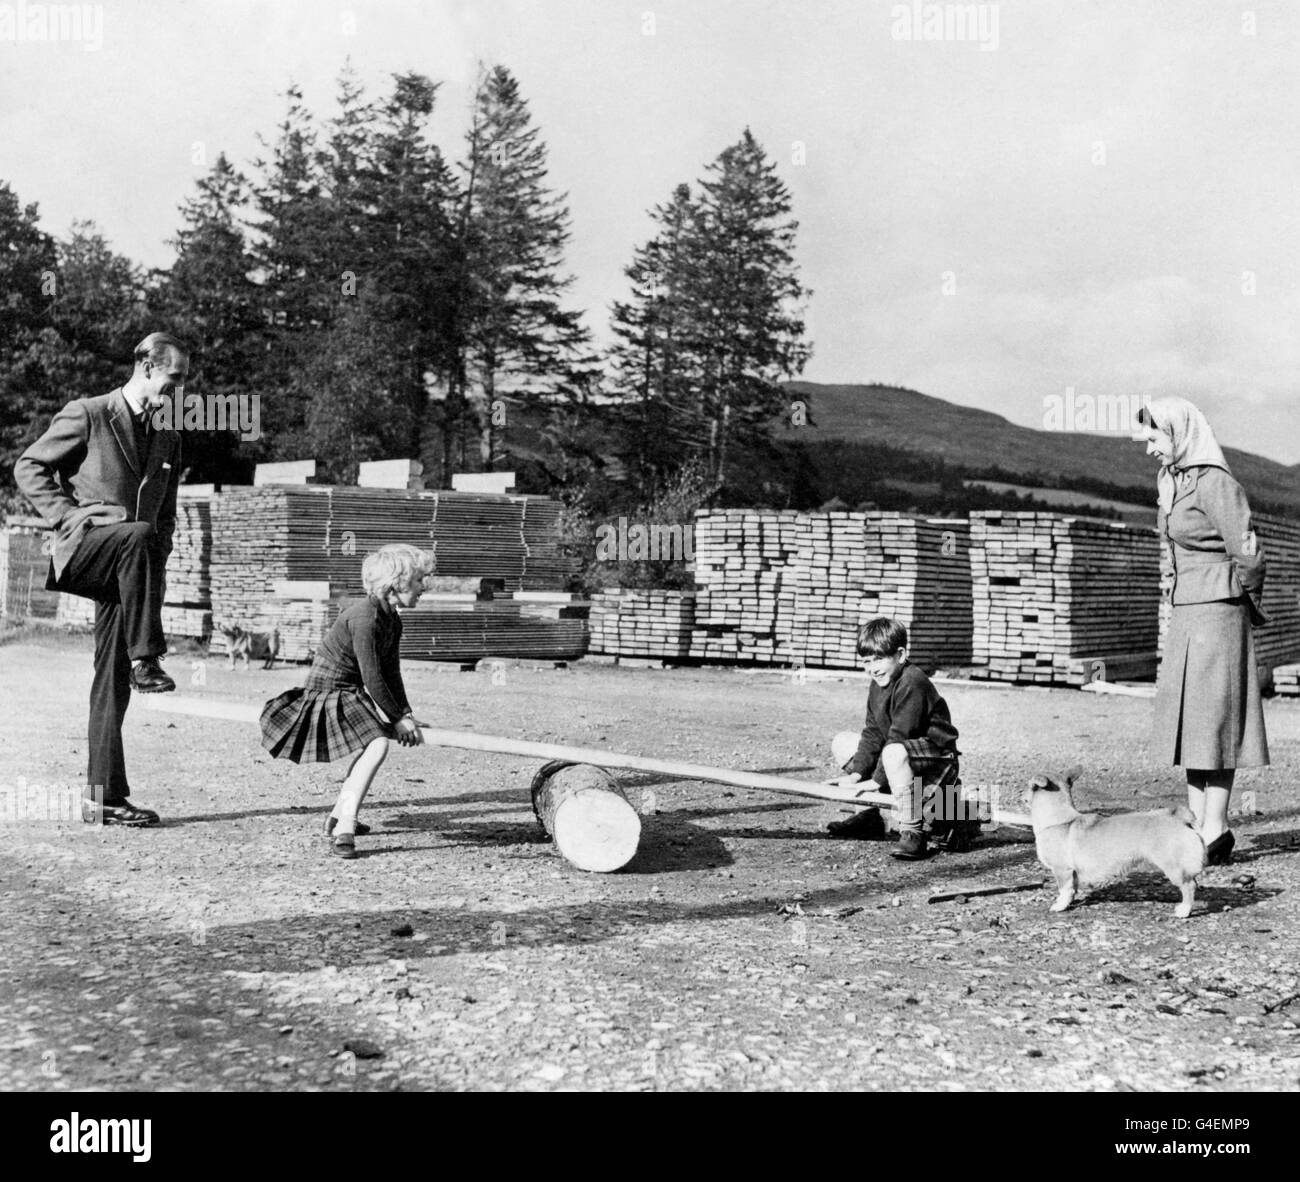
(85, 470)
(1216, 554)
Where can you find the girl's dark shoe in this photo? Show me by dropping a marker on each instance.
(1219, 851)
(360, 828)
(343, 846)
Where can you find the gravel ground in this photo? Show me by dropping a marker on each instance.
(742, 948)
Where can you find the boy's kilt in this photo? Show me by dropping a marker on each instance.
(945, 822)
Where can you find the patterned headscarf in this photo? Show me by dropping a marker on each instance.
(1194, 443)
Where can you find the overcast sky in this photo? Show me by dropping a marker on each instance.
(1096, 195)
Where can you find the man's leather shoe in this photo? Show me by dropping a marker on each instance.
(147, 677)
(118, 814)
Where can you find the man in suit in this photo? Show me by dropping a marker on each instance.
(105, 478)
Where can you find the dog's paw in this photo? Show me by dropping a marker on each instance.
(1183, 910)
(1062, 904)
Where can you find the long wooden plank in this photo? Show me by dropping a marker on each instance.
(501, 745)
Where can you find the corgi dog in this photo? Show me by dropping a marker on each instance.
(241, 643)
(1090, 848)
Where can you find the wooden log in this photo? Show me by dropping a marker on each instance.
(587, 816)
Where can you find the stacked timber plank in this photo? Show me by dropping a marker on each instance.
(1286, 680)
(453, 627)
(265, 537)
(1063, 599)
(855, 566)
(634, 623)
(189, 567)
(1277, 643)
(831, 589)
(794, 588)
(745, 566)
(319, 533)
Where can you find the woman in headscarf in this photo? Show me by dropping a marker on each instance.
(1209, 719)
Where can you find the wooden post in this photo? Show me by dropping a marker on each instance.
(587, 815)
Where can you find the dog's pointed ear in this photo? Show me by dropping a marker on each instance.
(1039, 782)
(1073, 774)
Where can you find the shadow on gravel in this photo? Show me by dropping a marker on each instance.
(357, 938)
(1155, 888)
(1267, 845)
(507, 796)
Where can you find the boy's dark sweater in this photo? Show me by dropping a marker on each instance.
(909, 707)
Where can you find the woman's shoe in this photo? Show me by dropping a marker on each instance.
(360, 828)
(343, 846)
(1219, 851)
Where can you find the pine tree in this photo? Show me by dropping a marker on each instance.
(209, 300)
(414, 285)
(29, 280)
(714, 323)
(654, 362)
(746, 295)
(80, 344)
(514, 338)
(291, 228)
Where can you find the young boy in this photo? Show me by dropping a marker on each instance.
(908, 738)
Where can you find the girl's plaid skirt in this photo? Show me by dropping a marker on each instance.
(319, 725)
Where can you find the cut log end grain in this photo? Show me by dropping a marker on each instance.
(587, 816)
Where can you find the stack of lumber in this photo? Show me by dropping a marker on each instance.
(831, 590)
(452, 627)
(189, 567)
(1063, 599)
(926, 580)
(1286, 680)
(745, 567)
(853, 567)
(794, 588)
(267, 534)
(1277, 644)
(632, 623)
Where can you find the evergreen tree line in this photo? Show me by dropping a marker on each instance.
(385, 301)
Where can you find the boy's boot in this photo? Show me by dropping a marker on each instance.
(911, 844)
(868, 825)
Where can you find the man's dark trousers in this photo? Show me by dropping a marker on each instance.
(119, 567)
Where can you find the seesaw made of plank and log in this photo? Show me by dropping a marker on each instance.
(590, 820)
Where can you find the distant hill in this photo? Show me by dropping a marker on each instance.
(979, 442)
